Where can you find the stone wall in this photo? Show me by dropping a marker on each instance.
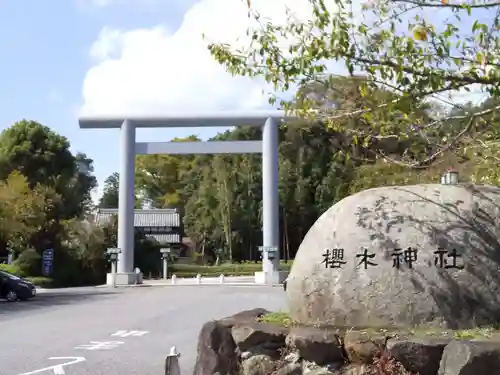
(241, 345)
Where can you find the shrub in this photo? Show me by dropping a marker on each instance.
(42, 282)
(387, 365)
(147, 256)
(28, 263)
(11, 268)
(230, 269)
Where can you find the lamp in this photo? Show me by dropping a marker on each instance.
(113, 258)
(164, 252)
(113, 254)
(164, 255)
(450, 177)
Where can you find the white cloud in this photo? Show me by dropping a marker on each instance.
(155, 71)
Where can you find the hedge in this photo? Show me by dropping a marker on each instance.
(10, 268)
(235, 269)
(39, 281)
(42, 282)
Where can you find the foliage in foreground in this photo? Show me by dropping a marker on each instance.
(380, 71)
(387, 365)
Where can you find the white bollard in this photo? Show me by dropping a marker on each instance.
(221, 279)
(113, 274)
(172, 362)
(198, 279)
(174, 279)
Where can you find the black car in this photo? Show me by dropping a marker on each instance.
(13, 288)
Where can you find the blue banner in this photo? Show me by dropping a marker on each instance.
(47, 261)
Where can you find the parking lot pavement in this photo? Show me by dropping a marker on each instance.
(94, 331)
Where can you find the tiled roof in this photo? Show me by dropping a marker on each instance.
(165, 217)
(166, 238)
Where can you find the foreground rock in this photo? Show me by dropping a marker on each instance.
(448, 259)
(217, 351)
(470, 358)
(418, 355)
(239, 345)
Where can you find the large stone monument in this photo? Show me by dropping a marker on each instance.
(402, 256)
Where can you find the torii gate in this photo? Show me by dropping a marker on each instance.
(129, 149)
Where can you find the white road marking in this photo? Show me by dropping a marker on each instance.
(124, 333)
(100, 345)
(57, 369)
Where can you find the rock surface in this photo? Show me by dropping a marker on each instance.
(216, 351)
(425, 218)
(267, 337)
(259, 364)
(422, 356)
(316, 345)
(362, 348)
(241, 346)
(470, 358)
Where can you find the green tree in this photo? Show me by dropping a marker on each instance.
(159, 177)
(78, 190)
(44, 158)
(396, 47)
(111, 193)
(23, 211)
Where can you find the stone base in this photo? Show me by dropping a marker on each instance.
(316, 350)
(126, 278)
(270, 278)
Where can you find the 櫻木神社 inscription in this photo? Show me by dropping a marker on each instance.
(443, 258)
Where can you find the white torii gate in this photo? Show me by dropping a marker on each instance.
(129, 149)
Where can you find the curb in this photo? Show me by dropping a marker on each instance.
(126, 286)
(179, 285)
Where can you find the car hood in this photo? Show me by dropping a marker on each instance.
(22, 281)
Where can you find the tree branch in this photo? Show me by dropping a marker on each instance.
(448, 5)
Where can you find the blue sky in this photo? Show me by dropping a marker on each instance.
(63, 58)
(46, 57)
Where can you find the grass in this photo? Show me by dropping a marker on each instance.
(279, 318)
(229, 269)
(478, 333)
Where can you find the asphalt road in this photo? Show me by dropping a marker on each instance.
(80, 323)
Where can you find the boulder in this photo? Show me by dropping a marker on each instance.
(257, 365)
(289, 369)
(363, 348)
(470, 358)
(259, 337)
(432, 258)
(216, 351)
(420, 356)
(316, 345)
